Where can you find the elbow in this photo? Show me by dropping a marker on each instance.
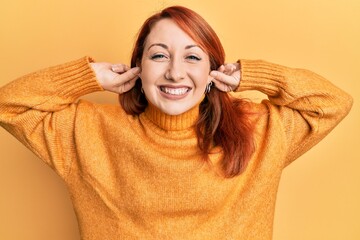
(344, 103)
(348, 102)
(336, 108)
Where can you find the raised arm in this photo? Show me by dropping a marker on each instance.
(40, 109)
(301, 103)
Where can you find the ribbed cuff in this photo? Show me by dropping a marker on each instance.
(261, 75)
(75, 79)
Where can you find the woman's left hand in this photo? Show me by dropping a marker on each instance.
(227, 77)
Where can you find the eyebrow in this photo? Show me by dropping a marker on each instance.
(166, 47)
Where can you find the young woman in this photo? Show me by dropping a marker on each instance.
(180, 158)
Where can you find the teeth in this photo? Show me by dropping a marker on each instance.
(174, 91)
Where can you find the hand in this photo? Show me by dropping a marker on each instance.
(117, 78)
(227, 77)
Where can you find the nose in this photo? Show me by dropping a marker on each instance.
(176, 70)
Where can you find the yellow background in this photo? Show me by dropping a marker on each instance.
(319, 195)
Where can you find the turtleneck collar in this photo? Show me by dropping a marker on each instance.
(172, 122)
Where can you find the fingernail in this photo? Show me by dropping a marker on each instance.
(135, 70)
(113, 68)
(213, 73)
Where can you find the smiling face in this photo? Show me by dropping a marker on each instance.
(174, 69)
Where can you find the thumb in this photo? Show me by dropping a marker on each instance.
(125, 81)
(130, 74)
(126, 76)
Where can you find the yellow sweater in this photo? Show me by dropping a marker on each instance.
(141, 177)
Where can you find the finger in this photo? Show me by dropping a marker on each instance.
(127, 76)
(119, 68)
(127, 86)
(225, 78)
(221, 68)
(126, 81)
(222, 86)
(229, 68)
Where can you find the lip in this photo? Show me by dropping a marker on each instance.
(173, 88)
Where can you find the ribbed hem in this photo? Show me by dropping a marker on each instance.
(261, 75)
(75, 78)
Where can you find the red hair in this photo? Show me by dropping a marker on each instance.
(223, 121)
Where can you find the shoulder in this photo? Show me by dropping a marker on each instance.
(101, 112)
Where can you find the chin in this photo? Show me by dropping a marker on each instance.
(175, 109)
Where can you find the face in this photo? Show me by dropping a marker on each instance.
(174, 69)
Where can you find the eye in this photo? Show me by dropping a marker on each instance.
(193, 58)
(158, 56)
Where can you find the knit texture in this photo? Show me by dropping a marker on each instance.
(142, 177)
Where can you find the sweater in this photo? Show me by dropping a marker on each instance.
(143, 177)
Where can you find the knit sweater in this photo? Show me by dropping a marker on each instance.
(142, 177)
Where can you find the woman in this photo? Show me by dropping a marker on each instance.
(180, 159)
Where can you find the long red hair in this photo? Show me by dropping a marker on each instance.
(223, 121)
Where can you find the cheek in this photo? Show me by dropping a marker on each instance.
(146, 74)
(150, 71)
(202, 78)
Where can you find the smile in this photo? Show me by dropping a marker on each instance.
(175, 91)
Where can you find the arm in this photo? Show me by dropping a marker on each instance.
(307, 105)
(39, 109)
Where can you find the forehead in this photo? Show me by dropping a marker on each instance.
(168, 32)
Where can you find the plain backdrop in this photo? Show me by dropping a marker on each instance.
(319, 193)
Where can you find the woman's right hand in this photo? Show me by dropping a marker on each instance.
(117, 78)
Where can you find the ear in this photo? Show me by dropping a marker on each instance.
(138, 64)
(209, 80)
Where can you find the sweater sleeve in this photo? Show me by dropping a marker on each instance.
(39, 109)
(301, 103)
